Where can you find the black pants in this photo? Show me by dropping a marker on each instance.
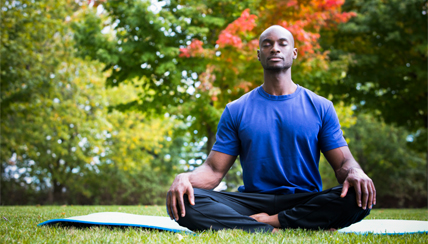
(231, 210)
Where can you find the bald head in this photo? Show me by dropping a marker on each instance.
(279, 30)
(277, 50)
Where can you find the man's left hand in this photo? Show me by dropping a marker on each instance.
(363, 185)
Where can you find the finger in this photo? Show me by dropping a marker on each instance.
(374, 194)
(345, 188)
(168, 205)
(370, 200)
(181, 205)
(365, 195)
(357, 188)
(174, 207)
(191, 196)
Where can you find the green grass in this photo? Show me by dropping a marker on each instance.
(21, 227)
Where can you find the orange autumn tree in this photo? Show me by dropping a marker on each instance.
(232, 68)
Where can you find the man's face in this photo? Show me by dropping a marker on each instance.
(277, 50)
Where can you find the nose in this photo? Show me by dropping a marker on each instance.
(275, 48)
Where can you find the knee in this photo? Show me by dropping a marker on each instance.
(350, 205)
(187, 206)
(351, 199)
(189, 210)
(189, 214)
(193, 217)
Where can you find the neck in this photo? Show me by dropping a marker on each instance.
(278, 82)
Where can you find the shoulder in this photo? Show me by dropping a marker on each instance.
(323, 107)
(242, 102)
(322, 104)
(315, 97)
(237, 108)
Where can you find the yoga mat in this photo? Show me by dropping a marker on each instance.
(374, 226)
(123, 219)
(387, 227)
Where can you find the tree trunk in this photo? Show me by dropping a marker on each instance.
(50, 197)
(56, 193)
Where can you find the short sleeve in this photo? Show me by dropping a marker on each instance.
(330, 135)
(227, 139)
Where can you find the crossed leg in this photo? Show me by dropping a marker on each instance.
(227, 210)
(224, 210)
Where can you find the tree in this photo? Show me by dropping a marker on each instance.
(29, 47)
(33, 42)
(387, 47)
(135, 158)
(53, 139)
(57, 137)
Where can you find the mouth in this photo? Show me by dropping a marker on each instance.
(275, 59)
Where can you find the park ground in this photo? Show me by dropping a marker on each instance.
(18, 224)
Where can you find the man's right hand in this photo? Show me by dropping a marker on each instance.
(179, 187)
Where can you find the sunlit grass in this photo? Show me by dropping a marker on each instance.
(19, 225)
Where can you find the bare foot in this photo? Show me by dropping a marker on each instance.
(275, 230)
(260, 217)
(267, 219)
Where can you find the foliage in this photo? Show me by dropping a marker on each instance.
(173, 70)
(387, 73)
(20, 227)
(59, 144)
(30, 31)
(33, 45)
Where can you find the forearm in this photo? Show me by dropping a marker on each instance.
(210, 173)
(204, 177)
(349, 173)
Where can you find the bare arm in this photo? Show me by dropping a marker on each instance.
(349, 173)
(206, 176)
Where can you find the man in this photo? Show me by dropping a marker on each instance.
(278, 129)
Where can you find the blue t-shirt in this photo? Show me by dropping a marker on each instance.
(278, 139)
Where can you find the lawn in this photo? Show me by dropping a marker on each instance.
(19, 225)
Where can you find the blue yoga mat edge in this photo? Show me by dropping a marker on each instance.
(55, 221)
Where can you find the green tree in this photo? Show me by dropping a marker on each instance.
(398, 173)
(30, 47)
(57, 138)
(34, 42)
(387, 47)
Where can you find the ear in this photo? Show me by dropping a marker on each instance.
(258, 54)
(294, 53)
